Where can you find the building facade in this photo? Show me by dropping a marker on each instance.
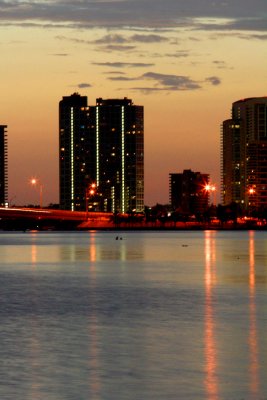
(3, 166)
(73, 151)
(244, 154)
(103, 146)
(188, 192)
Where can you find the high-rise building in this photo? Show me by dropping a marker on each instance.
(73, 151)
(119, 138)
(101, 145)
(188, 191)
(3, 166)
(244, 154)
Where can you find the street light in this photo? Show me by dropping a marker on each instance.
(34, 182)
(89, 191)
(251, 198)
(210, 188)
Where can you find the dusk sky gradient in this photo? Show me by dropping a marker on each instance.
(186, 62)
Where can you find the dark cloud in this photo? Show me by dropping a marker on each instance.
(178, 54)
(251, 36)
(167, 82)
(239, 35)
(152, 38)
(122, 78)
(122, 64)
(148, 90)
(112, 47)
(220, 64)
(114, 73)
(172, 82)
(223, 15)
(83, 85)
(111, 39)
(116, 42)
(60, 54)
(74, 40)
(214, 80)
(162, 81)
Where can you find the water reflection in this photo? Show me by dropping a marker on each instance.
(35, 386)
(211, 380)
(98, 248)
(33, 249)
(34, 254)
(253, 335)
(80, 321)
(93, 361)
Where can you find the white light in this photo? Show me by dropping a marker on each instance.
(122, 162)
(72, 157)
(113, 199)
(97, 146)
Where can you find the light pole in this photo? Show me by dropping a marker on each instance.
(34, 182)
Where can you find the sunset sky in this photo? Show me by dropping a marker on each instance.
(184, 61)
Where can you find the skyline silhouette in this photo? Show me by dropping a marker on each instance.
(186, 63)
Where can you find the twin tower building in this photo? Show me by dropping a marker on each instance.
(101, 155)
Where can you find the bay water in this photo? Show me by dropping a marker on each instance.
(133, 315)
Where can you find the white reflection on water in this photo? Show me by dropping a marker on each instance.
(211, 380)
(253, 335)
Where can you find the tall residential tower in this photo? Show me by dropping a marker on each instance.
(3, 166)
(119, 157)
(244, 154)
(73, 151)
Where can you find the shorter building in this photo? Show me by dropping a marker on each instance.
(3, 166)
(188, 192)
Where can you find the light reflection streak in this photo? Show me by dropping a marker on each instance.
(211, 380)
(34, 254)
(35, 386)
(33, 250)
(93, 361)
(253, 335)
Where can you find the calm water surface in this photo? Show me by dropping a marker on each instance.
(154, 316)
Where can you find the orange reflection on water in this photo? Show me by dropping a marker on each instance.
(33, 254)
(211, 381)
(92, 248)
(33, 249)
(93, 361)
(253, 335)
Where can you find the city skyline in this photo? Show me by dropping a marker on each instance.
(185, 62)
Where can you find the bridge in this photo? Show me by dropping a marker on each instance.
(36, 218)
